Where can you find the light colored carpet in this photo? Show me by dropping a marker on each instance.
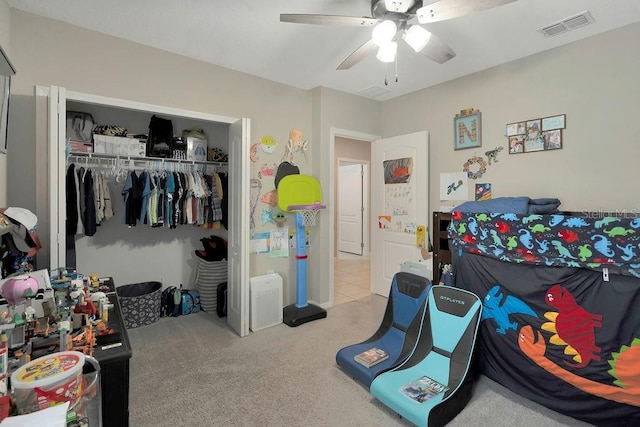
(194, 371)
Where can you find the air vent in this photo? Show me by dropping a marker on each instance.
(567, 24)
(374, 92)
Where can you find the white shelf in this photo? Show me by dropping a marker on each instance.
(142, 158)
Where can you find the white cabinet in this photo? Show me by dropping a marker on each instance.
(125, 253)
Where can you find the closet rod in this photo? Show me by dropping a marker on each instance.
(151, 159)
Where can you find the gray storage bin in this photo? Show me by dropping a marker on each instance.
(140, 303)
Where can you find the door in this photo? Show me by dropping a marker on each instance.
(238, 275)
(351, 208)
(399, 202)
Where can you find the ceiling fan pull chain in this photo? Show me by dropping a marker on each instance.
(386, 69)
(396, 61)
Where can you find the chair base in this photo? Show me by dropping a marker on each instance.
(295, 316)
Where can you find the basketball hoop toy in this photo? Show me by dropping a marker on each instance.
(302, 195)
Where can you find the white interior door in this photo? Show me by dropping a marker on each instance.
(399, 202)
(351, 208)
(238, 268)
(54, 215)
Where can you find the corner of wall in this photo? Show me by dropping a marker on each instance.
(5, 28)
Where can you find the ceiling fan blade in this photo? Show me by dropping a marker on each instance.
(358, 55)
(437, 50)
(351, 21)
(449, 9)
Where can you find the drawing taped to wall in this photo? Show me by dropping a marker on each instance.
(483, 191)
(384, 221)
(278, 244)
(454, 186)
(398, 171)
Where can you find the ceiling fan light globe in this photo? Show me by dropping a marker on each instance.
(416, 37)
(384, 32)
(387, 52)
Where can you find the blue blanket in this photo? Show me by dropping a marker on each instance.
(518, 205)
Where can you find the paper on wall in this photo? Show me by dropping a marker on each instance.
(454, 186)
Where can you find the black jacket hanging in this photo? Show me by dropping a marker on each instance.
(90, 205)
(72, 201)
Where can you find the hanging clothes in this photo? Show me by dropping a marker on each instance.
(224, 205)
(152, 197)
(145, 183)
(132, 194)
(89, 205)
(71, 204)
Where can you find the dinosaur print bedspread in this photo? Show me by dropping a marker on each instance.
(551, 240)
(563, 337)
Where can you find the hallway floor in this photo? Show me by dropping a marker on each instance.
(351, 274)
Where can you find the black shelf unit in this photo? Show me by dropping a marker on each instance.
(441, 252)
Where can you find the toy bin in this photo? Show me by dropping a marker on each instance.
(57, 378)
(140, 303)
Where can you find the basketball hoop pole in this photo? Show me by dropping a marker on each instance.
(302, 312)
(301, 262)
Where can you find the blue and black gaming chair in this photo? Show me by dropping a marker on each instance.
(398, 332)
(444, 353)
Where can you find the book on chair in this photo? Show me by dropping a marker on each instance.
(423, 389)
(371, 357)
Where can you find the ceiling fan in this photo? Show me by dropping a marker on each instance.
(392, 19)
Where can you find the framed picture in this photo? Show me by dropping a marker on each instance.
(554, 122)
(552, 139)
(467, 131)
(517, 128)
(533, 135)
(516, 144)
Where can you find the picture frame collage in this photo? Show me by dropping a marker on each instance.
(542, 134)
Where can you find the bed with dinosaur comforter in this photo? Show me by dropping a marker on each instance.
(561, 308)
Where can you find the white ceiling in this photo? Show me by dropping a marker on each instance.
(247, 36)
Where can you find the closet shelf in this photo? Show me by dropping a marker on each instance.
(81, 155)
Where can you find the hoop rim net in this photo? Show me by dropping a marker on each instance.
(309, 213)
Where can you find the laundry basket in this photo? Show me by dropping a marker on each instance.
(209, 274)
(140, 303)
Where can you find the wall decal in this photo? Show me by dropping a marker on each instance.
(268, 144)
(295, 144)
(253, 152)
(492, 155)
(482, 167)
(255, 186)
(270, 198)
(267, 216)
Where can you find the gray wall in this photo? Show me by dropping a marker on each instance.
(593, 81)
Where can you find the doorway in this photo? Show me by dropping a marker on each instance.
(352, 278)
